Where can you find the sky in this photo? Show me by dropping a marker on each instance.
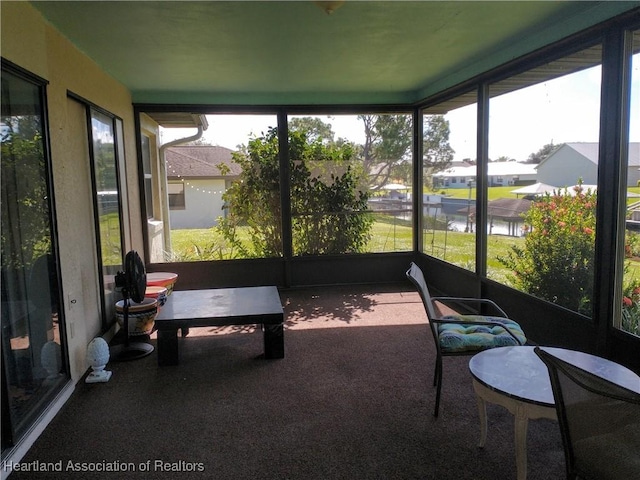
(522, 122)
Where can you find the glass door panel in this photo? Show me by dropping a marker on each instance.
(32, 338)
(107, 207)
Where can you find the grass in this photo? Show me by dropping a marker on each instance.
(493, 192)
(110, 240)
(505, 192)
(387, 235)
(457, 248)
(391, 234)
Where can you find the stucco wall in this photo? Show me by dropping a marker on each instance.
(31, 43)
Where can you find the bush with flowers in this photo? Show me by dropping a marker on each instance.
(631, 287)
(631, 307)
(556, 262)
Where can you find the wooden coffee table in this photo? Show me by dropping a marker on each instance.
(220, 307)
(515, 378)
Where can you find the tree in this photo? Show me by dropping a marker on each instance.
(386, 152)
(315, 128)
(329, 210)
(437, 154)
(543, 153)
(387, 142)
(556, 262)
(24, 193)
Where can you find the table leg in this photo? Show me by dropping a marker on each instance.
(273, 341)
(482, 412)
(168, 347)
(521, 425)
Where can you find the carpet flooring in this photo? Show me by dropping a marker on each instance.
(352, 399)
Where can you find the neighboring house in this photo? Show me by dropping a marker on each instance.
(500, 174)
(574, 161)
(197, 177)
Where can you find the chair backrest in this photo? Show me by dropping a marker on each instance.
(417, 278)
(599, 421)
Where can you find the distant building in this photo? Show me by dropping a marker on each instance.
(499, 174)
(574, 161)
(197, 177)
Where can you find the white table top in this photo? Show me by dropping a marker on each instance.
(518, 372)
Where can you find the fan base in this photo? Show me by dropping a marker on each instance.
(133, 351)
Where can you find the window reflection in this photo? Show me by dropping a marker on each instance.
(107, 204)
(107, 191)
(31, 310)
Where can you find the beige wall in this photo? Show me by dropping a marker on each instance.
(31, 43)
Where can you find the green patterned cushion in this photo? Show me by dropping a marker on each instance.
(458, 337)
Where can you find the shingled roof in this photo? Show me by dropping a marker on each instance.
(200, 161)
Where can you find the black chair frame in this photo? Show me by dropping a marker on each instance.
(415, 275)
(604, 420)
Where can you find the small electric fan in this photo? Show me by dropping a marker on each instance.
(132, 283)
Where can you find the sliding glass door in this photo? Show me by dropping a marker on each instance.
(106, 164)
(34, 356)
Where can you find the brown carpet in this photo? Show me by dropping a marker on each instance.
(352, 399)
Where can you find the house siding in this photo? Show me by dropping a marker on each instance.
(566, 167)
(203, 204)
(575, 161)
(499, 174)
(633, 174)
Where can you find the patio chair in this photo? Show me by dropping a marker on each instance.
(599, 422)
(456, 334)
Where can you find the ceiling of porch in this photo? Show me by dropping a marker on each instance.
(292, 52)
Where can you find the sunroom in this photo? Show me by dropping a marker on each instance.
(390, 94)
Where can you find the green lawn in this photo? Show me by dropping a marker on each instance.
(110, 242)
(457, 248)
(494, 192)
(505, 192)
(389, 234)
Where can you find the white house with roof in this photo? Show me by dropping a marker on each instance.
(574, 161)
(499, 173)
(197, 177)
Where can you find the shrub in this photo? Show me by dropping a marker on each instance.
(556, 262)
(328, 199)
(631, 307)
